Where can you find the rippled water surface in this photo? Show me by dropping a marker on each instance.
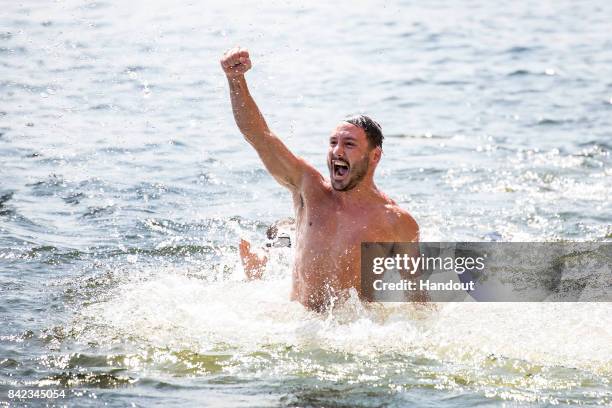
(125, 187)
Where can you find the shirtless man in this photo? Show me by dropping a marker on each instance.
(333, 217)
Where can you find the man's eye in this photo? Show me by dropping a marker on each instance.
(350, 144)
(333, 143)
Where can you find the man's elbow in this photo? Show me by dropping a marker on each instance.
(252, 136)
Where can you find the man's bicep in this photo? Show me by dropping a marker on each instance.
(287, 168)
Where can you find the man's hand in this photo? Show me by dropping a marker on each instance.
(236, 62)
(254, 264)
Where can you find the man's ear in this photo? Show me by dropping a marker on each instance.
(377, 154)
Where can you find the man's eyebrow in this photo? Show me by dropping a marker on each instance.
(349, 138)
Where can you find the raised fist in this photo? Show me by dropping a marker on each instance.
(235, 62)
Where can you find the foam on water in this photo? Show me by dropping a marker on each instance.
(166, 324)
(172, 310)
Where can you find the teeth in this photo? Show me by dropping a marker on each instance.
(340, 163)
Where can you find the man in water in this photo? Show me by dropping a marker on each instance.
(333, 217)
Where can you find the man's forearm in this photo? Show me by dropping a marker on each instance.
(249, 119)
(282, 164)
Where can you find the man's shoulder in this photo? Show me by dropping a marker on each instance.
(313, 188)
(313, 181)
(401, 215)
(406, 227)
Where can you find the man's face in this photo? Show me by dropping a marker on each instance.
(348, 156)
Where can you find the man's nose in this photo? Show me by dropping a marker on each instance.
(338, 150)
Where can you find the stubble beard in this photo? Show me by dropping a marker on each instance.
(358, 170)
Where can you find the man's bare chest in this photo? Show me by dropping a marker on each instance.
(341, 226)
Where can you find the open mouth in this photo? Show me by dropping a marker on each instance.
(341, 168)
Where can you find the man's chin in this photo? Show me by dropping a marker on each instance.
(341, 185)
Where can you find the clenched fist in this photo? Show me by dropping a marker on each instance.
(235, 62)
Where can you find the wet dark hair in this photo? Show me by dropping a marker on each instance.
(371, 128)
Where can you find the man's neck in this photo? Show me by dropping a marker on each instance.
(363, 192)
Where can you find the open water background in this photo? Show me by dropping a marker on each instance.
(125, 186)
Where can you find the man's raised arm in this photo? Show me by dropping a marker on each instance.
(284, 166)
